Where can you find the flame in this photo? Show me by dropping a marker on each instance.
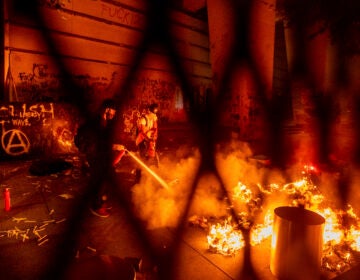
(224, 239)
(355, 242)
(332, 229)
(242, 193)
(341, 237)
(260, 232)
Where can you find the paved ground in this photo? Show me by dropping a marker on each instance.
(49, 229)
(46, 228)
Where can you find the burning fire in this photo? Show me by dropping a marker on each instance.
(225, 239)
(341, 231)
(262, 231)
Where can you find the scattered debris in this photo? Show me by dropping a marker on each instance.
(60, 221)
(41, 243)
(25, 234)
(18, 220)
(66, 196)
(42, 237)
(91, 249)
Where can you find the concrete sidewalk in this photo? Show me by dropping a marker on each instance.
(10, 168)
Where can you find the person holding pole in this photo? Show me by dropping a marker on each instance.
(95, 139)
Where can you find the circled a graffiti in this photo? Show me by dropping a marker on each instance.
(15, 142)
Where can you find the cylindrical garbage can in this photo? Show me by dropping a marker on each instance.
(296, 246)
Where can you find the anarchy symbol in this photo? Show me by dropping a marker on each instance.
(15, 142)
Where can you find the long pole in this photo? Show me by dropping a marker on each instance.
(148, 169)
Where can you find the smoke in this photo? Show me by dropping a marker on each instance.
(236, 163)
(236, 166)
(208, 199)
(232, 164)
(245, 178)
(161, 207)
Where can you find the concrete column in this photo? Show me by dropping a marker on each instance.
(251, 60)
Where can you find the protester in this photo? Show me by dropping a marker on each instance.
(146, 137)
(95, 138)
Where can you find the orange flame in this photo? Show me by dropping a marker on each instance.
(224, 239)
(242, 193)
(261, 232)
(340, 239)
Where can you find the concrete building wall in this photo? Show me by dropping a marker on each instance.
(95, 44)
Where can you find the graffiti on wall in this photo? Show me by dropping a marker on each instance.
(26, 115)
(108, 11)
(40, 84)
(43, 85)
(169, 96)
(14, 142)
(157, 91)
(122, 15)
(130, 117)
(28, 128)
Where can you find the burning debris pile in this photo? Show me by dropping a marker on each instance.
(341, 238)
(225, 238)
(248, 206)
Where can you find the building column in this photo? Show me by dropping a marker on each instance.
(241, 53)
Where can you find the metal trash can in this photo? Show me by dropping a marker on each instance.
(296, 246)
